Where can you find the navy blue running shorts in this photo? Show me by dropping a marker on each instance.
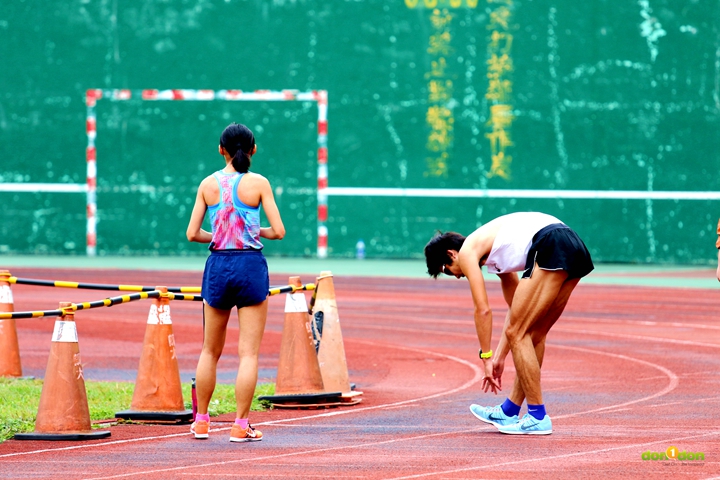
(558, 247)
(235, 278)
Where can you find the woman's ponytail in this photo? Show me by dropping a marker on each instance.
(241, 161)
(238, 141)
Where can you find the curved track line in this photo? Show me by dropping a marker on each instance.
(671, 386)
(641, 322)
(556, 457)
(284, 455)
(476, 378)
(569, 318)
(638, 337)
(554, 329)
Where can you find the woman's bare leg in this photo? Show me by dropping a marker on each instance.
(213, 344)
(252, 326)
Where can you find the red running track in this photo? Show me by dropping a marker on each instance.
(627, 370)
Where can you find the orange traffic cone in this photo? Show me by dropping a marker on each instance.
(9, 348)
(331, 353)
(63, 413)
(158, 392)
(299, 382)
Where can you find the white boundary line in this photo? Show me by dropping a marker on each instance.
(520, 193)
(44, 187)
(476, 378)
(556, 457)
(671, 386)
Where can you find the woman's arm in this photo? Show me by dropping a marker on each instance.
(276, 230)
(195, 233)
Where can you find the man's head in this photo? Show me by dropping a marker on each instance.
(436, 251)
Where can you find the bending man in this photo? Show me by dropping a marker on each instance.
(552, 259)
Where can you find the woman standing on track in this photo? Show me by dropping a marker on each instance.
(553, 259)
(236, 273)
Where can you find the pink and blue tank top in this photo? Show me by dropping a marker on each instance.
(235, 226)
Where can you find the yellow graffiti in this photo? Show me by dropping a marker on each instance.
(432, 4)
(437, 166)
(439, 91)
(439, 117)
(499, 18)
(437, 68)
(499, 65)
(500, 166)
(440, 43)
(440, 19)
(499, 91)
(501, 42)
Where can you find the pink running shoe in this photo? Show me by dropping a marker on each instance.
(249, 434)
(200, 429)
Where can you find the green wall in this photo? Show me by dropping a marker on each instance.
(500, 95)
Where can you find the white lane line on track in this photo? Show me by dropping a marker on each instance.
(666, 441)
(673, 379)
(673, 382)
(635, 337)
(476, 378)
(284, 455)
(583, 320)
(684, 402)
(555, 329)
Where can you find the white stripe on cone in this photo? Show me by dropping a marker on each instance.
(159, 315)
(5, 294)
(65, 332)
(295, 302)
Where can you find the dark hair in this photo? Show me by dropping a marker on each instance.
(436, 255)
(238, 141)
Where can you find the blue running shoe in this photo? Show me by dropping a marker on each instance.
(493, 415)
(529, 425)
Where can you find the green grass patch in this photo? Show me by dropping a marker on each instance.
(19, 400)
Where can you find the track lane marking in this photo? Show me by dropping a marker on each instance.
(556, 457)
(476, 378)
(673, 383)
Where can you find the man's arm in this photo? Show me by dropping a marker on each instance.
(483, 314)
(469, 264)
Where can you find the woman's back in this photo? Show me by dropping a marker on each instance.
(235, 224)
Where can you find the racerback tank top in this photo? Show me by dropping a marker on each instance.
(235, 225)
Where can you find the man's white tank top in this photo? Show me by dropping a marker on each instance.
(514, 237)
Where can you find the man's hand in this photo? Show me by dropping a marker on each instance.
(498, 367)
(489, 382)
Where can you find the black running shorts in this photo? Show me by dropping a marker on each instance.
(558, 247)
